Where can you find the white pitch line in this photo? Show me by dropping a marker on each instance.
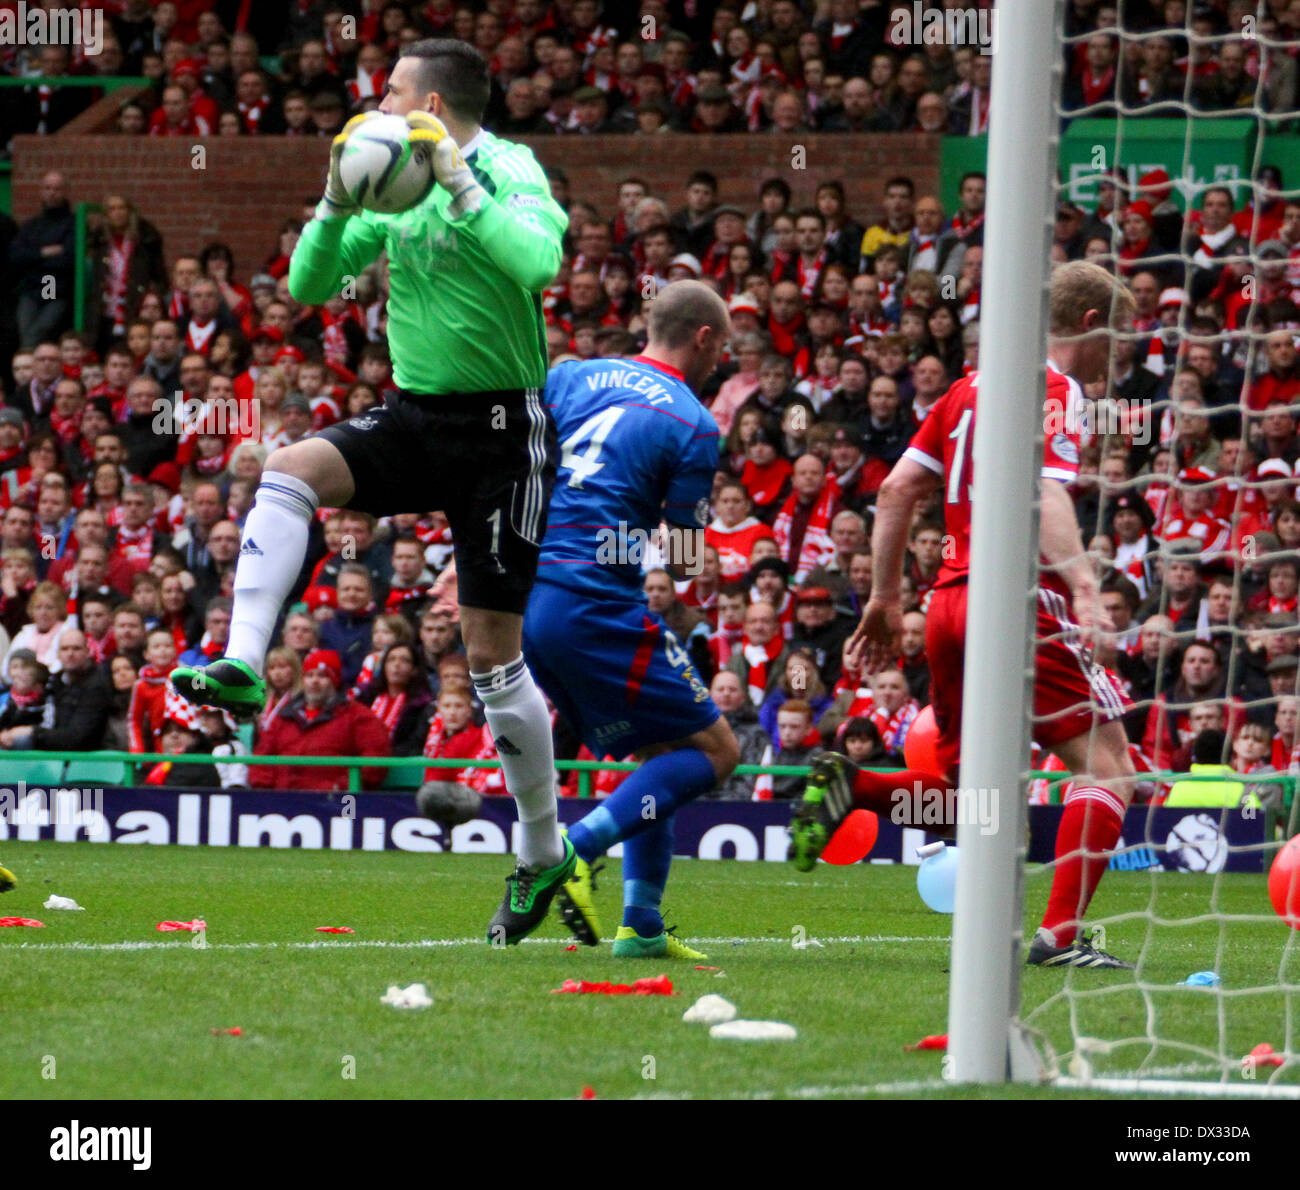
(418, 944)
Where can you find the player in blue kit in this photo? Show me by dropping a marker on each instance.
(638, 449)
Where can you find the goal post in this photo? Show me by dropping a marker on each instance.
(984, 984)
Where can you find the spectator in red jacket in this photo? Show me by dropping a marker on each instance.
(321, 721)
(1282, 380)
(148, 710)
(452, 734)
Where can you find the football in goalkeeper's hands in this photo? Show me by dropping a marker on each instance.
(381, 170)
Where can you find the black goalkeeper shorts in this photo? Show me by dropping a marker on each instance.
(485, 459)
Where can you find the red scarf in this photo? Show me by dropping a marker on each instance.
(759, 657)
(724, 642)
(1096, 86)
(963, 225)
(365, 85)
(817, 546)
(807, 275)
(265, 719)
(785, 340)
(388, 710)
(20, 699)
(252, 113)
(209, 647)
(894, 728)
(99, 649)
(67, 428)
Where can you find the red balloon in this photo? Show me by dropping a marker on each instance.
(1284, 883)
(854, 839)
(920, 748)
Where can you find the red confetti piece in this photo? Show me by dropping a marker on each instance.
(936, 1041)
(1263, 1055)
(233, 1031)
(572, 946)
(335, 930)
(660, 985)
(587, 1093)
(197, 924)
(708, 968)
(22, 921)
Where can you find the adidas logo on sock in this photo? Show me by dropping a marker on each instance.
(250, 547)
(505, 747)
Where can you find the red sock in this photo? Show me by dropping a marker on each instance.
(1092, 820)
(882, 792)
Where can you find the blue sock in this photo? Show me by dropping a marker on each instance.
(649, 795)
(647, 857)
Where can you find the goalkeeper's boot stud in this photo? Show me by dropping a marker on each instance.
(227, 684)
(529, 893)
(577, 908)
(628, 944)
(826, 802)
(7, 880)
(1043, 952)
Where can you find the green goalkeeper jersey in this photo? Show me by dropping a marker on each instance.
(464, 302)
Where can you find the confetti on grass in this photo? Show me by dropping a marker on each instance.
(660, 985)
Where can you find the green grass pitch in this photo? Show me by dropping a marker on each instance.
(115, 1009)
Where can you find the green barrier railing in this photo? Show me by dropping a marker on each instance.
(1287, 816)
(134, 760)
(107, 83)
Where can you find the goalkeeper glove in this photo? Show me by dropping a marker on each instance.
(449, 167)
(336, 203)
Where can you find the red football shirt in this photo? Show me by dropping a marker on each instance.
(945, 442)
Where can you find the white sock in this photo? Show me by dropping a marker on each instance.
(521, 726)
(270, 557)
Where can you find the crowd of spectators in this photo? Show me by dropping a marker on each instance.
(581, 67)
(130, 453)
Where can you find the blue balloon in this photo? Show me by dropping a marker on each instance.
(936, 880)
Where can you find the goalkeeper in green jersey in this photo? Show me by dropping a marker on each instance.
(467, 432)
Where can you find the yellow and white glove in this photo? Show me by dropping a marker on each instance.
(336, 204)
(449, 168)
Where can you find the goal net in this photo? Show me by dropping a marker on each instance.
(1178, 166)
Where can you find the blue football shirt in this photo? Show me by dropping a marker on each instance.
(637, 448)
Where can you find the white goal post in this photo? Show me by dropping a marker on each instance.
(984, 985)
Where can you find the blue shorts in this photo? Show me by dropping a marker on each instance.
(613, 670)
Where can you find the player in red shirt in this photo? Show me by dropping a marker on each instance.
(1077, 702)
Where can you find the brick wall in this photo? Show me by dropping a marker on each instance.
(249, 184)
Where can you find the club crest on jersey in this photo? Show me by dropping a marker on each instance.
(1065, 448)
